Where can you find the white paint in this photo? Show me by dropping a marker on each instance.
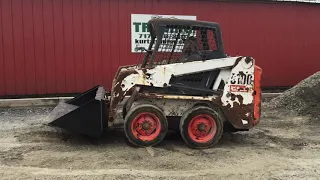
(200, 66)
(161, 74)
(244, 121)
(224, 75)
(142, 34)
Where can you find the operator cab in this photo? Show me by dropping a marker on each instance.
(181, 41)
(176, 41)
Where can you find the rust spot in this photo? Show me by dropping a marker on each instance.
(233, 97)
(240, 98)
(237, 113)
(248, 60)
(145, 69)
(150, 95)
(147, 75)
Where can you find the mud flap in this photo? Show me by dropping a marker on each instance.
(85, 114)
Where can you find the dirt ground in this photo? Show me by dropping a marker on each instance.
(282, 146)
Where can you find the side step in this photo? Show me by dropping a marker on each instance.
(85, 114)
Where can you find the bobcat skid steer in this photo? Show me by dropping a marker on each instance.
(185, 75)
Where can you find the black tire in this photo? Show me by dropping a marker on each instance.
(213, 117)
(131, 128)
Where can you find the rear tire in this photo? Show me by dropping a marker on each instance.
(201, 127)
(145, 125)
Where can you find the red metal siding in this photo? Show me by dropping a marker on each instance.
(8, 52)
(65, 46)
(29, 52)
(2, 72)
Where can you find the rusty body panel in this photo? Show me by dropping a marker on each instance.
(240, 116)
(117, 93)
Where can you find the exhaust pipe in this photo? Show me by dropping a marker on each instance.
(85, 114)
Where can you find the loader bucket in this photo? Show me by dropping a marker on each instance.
(85, 114)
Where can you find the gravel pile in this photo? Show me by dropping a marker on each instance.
(303, 99)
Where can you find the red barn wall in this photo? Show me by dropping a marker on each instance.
(68, 46)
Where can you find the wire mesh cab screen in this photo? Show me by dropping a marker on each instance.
(178, 43)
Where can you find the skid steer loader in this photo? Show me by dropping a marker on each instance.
(185, 74)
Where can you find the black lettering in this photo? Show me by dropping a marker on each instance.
(242, 78)
(249, 79)
(233, 79)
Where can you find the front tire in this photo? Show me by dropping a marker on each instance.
(201, 127)
(145, 125)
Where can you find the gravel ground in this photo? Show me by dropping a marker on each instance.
(282, 146)
(303, 98)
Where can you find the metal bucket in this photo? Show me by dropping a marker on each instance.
(85, 114)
